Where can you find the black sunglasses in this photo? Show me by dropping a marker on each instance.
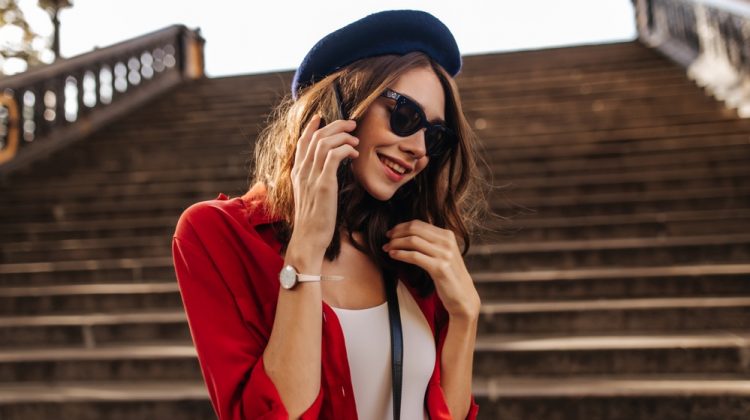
(407, 118)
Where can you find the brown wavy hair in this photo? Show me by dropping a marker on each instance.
(449, 193)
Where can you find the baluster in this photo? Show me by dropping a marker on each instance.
(81, 110)
(95, 93)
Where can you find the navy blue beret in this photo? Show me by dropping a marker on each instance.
(389, 32)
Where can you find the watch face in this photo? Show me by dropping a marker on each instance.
(288, 277)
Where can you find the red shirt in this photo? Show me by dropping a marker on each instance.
(227, 262)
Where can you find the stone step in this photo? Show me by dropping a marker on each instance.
(596, 198)
(497, 317)
(688, 280)
(650, 178)
(530, 166)
(547, 205)
(643, 397)
(701, 159)
(522, 230)
(543, 125)
(606, 315)
(85, 271)
(119, 362)
(644, 107)
(496, 356)
(639, 150)
(80, 249)
(709, 134)
(593, 55)
(566, 94)
(521, 225)
(574, 119)
(728, 174)
(528, 285)
(93, 329)
(625, 202)
(532, 226)
(571, 87)
(612, 355)
(134, 166)
(157, 226)
(91, 298)
(159, 140)
(648, 71)
(482, 75)
(499, 139)
(532, 219)
(515, 253)
(482, 72)
(112, 400)
(610, 183)
(611, 142)
(622, 252)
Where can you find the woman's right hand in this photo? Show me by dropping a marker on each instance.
(318, 156)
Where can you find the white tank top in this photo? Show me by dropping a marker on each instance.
(368, 347)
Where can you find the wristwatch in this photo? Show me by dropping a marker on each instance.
(289, 277)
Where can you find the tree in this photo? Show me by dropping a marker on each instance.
(21, 47)
(53, 8)
(16, 40)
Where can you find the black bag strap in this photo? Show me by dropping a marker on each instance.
(397, 343)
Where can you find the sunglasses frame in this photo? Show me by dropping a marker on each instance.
(433, 150)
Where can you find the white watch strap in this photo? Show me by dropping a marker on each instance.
(313, 277)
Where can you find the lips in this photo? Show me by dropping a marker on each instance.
(408, 168)
(390, 173)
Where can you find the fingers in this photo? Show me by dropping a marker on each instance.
(423, 229)
(336, 148)
(337, 127)
(315, 145)
(416, 243)
(334, 158)
(305, 138)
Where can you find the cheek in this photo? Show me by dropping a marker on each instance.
(422, 164)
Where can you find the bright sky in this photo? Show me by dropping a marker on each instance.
(259, 36)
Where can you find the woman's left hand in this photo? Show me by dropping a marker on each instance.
(436, 251)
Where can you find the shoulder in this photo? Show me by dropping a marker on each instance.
(204, 215)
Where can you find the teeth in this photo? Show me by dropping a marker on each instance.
(393, 165)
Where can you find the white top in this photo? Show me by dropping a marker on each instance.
(367, 336)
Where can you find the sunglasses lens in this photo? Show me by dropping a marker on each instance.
(439, 141)
(405, 119)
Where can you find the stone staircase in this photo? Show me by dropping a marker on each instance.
(618, 288)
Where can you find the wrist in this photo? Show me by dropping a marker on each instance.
(304, 258)
(470, 313)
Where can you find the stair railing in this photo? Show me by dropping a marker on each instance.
(48, 108)
(710, 38)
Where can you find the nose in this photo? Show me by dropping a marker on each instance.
(415, 144)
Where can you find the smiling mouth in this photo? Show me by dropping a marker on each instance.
(390, 173)
(395, 167)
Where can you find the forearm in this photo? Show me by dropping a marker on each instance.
(457, 363)
(293, 354)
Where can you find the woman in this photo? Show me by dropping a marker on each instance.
(381, 198)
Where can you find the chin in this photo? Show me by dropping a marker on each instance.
(375, 183)
(380, 192)
(378, 189)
